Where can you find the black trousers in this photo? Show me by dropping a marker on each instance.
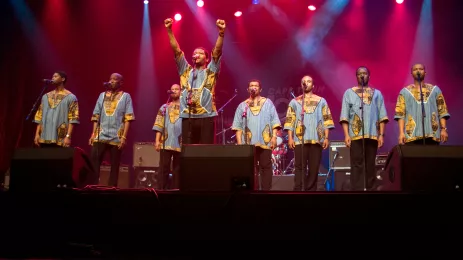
(50, 146)
(427, 141)
(169, 157)
(311, 155)
(356, 161)
(202, 130)
(264, 157)
(97, 155)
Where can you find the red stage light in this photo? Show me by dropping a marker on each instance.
(238, 13)
(399, 1)
(200, 3)
(178, 17)
(312, 8)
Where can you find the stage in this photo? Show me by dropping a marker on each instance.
(91, 222)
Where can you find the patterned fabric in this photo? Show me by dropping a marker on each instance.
(56, 111)
(173, 134)
(256, 122)
(374, 112)
(408, 108)
(199, 86)
(117, 110)
(317, 118)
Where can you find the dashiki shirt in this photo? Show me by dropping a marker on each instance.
(374, 112)
(203, 92)
(408, 108)
(317, 118)
(55, 113)
(173, 126)
(259, 122)
(117, 109)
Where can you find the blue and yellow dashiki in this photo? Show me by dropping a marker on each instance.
(408, 108)
(374, 112)
(117, 110)
(260, 119)
(55, 113)
(317, 118)
(203, 92)
(173, 126)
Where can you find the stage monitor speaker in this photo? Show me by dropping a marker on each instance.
(45, 169)
(217, 168)
(416, 168)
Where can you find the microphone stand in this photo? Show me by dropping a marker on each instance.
(304, 169)
(331, 169)
(163, 143)
(98, 129)
(423, 115)
(221, 115)
(37, 101)
(190, 103)
(363, 138)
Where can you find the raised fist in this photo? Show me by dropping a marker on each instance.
(220, 24)
(168, 23)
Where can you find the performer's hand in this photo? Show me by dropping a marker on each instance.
(90, 141)
(291, 144)
(157, 146)
(380, 141)
(347, 141)
(36, 140)
(121, 144)
(444, 136)
(67, 142)
(401, 138)
(273, 143)
(221, 25)
(168, 23)
(326, 143)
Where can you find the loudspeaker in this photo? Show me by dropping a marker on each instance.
(339, 158)
(44, 169)
(341, 180)
(147, 177)
(123, 180)
(423, 168)
(217, 167)
(145, 155)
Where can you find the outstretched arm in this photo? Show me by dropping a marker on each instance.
(173, 42)
(217, 51)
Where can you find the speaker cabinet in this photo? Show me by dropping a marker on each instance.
(217, 168)
(339, 158)
(145, 155)
(44, 169)
(423, 168)
(123, 180)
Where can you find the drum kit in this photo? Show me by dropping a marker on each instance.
(280, 155)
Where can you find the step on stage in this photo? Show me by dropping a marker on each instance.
(142, 221)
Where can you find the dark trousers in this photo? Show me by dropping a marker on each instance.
(264, 157)
(356, 161)
(168, 157)
(50, 146)
(311, 155)
(427, 141)
(97, 155)
(202, 130)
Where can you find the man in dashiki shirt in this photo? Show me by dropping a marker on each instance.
(256, 123)
(308, 135)
(197, 99)
(408, 111)
(57, 114)
(170, 153)
(370, 131)
(111, 120)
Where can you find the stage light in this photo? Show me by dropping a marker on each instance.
(178, 17)
(238, 13)
(399, 1)
(255, 2)
(312, 8)
(200, 3)
(145, 2)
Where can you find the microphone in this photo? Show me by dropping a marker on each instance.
(47, 81)
(169, 91)
(418, 74)
(106, 84)
(253, 91)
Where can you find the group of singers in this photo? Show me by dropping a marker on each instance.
(188, 118)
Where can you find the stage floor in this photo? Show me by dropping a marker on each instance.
(131, 221)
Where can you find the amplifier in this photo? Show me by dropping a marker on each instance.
(145, 155)
(123, 180)
(339, 158)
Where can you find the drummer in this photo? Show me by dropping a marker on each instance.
(310, 128)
